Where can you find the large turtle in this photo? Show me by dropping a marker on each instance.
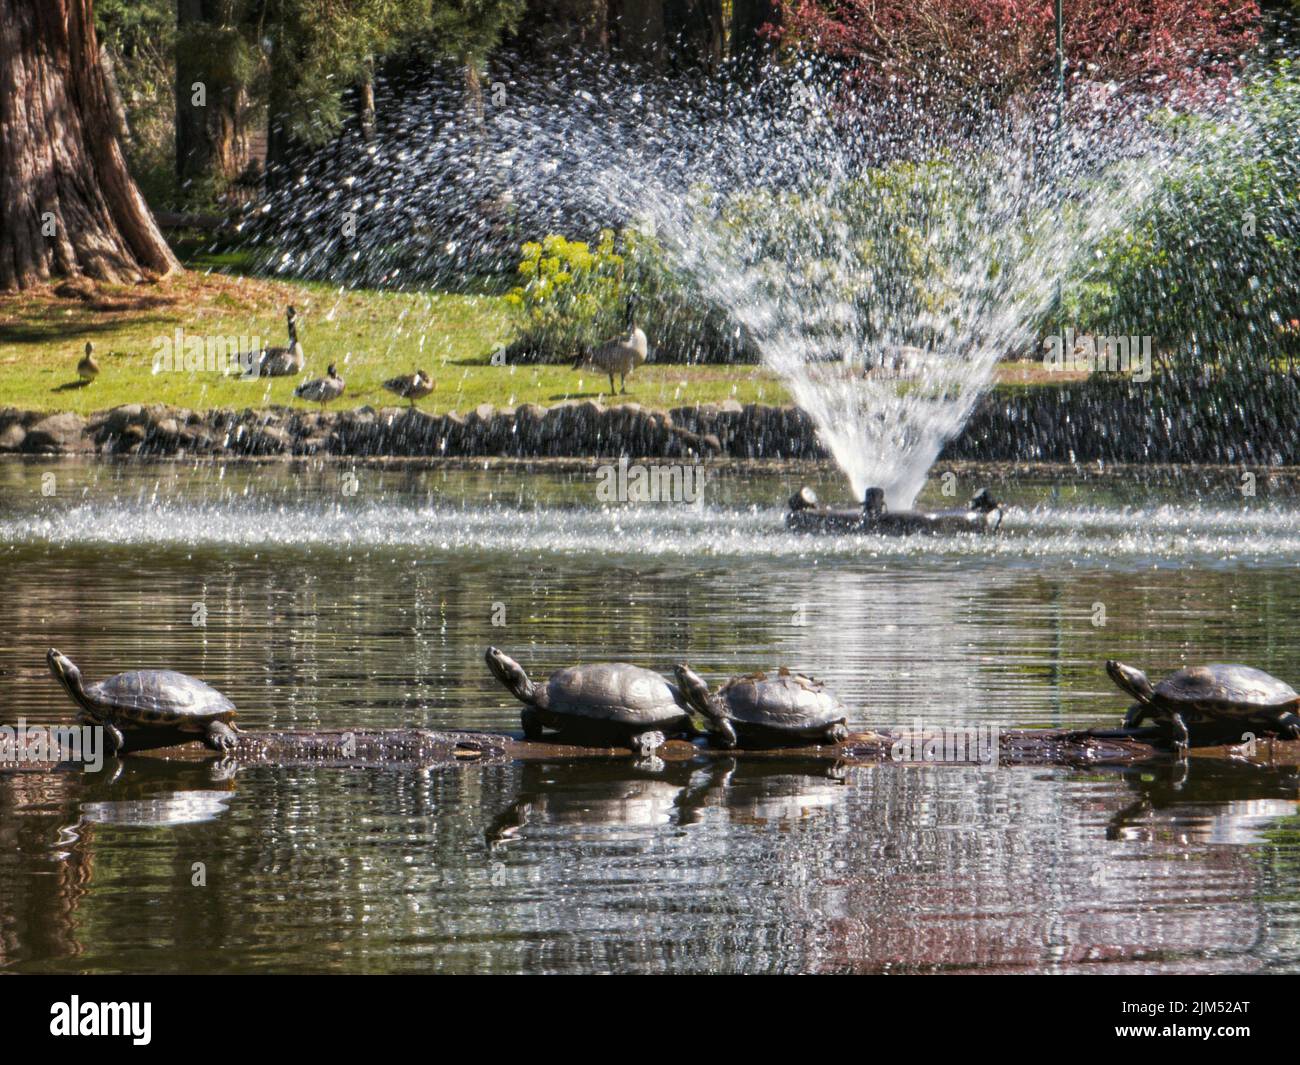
(763, 711)
(148, 699)
(604, 702)
(1213, 693)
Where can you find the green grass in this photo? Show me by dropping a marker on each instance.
(371, 335)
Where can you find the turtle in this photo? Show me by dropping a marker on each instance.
(602, 702)
(148, 699)
(782, 710)
(1214, 692)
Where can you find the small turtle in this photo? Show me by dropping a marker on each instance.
(1216, 692)
(148, 699)
(764, 711)
(605, 702)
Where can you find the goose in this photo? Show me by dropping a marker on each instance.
(411, 386)
(88, 368)
(321, 389)
(280, 362)
(619, 356)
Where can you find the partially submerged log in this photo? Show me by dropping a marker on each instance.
(428, 748)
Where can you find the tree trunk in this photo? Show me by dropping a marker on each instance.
(212, 138)
(68, 205)
(748, 47)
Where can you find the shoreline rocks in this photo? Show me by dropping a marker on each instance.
(1054, 426)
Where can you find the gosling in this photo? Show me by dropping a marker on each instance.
(321, 389)
(411, 386)
(88, 368)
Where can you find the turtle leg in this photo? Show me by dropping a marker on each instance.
(220, 737)
(1182, 738)
(836, 733)
(531, 721)
(116, 741)
(646, 743)
(1137, 713)
(724, 734)
(1289, 724)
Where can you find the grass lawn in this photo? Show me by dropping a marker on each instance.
(371, 335)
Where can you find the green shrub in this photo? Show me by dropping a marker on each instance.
(572, 296)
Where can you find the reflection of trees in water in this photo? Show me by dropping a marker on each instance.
(725, 865)
(44, 872)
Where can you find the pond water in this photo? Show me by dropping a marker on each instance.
(326, 595)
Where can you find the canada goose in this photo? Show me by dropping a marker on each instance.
(88, 368)
(321, 389)
(280, 362)
(412, 386)
(619, 356)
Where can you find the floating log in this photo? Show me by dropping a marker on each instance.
(415, 747)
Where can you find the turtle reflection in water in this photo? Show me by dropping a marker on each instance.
(1214, 694)
(603, 703)
(153, 699)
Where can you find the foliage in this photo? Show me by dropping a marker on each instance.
(1000, 48)
(1210, 269)
(140, 35)
(572, 296)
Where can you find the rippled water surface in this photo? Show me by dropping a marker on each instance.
(347, 597)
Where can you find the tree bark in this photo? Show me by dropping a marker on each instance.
(68, 204)
(212, 138)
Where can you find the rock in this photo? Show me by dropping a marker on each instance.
(56, 433)
(12, 437)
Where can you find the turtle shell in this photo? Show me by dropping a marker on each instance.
(159, 697)
(786, 702)
(614, 691)
(1225, 688)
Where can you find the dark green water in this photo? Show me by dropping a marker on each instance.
(368, 603)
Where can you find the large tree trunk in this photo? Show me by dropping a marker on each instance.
(68, 205)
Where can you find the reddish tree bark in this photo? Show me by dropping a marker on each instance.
(68, 205)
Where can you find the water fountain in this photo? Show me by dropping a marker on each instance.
(882, 272)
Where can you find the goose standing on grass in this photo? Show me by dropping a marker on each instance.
(411, 386)
(88, 368)
(281, 362)
(619, 356)
(321, 389)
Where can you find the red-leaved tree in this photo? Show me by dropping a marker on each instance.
(1001, 48)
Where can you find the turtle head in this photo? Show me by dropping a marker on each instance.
(1130, 680)
(693, 688)
(804, 499)
(66, 673)
(873, 502)
(511, 674)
